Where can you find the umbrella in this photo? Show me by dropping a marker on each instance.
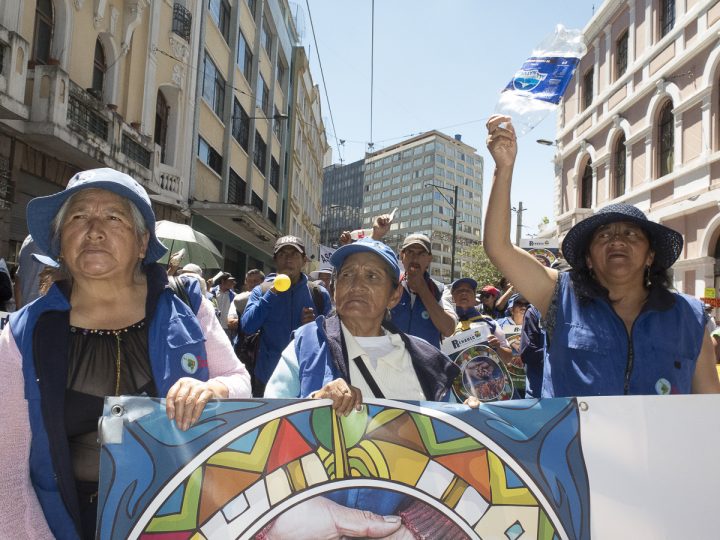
(199, 249)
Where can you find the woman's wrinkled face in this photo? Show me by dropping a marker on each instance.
(364, 289)
(619, 250)
(98, 238)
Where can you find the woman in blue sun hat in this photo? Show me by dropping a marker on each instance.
(109, 325)
(613, 324)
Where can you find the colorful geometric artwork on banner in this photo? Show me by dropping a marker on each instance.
(510, 470)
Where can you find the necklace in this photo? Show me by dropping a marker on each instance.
(117, 365)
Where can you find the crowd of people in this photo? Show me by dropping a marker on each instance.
(96, 315)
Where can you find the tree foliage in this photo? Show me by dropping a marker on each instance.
(479, 267)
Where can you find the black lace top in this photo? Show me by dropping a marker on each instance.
(101, 363)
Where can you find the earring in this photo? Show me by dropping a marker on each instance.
(648, 283)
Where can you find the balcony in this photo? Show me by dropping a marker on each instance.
(14, 51)
(67, 120)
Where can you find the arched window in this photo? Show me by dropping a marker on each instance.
(586, 186)
(619, 166)
(162, 112)
(42, 39)
(666, 140)
(99, 69)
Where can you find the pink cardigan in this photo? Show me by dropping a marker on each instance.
(21, 516)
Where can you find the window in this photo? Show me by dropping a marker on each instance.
(274, 174)
(257, 201)
(162, 112)
(621, 55)
(619, 166)
(44, 24)
(99, 68)
(236, 189)
(244, 56)
(276, 125)
(182, 21)
(209, 156)
(281, 71)
(667, 16)
(666, 139)
(266, 37)
(251, 5)
(586, 186)
(259, 153)
(241, 125)
(136, 151)
(587, 88)
(213, 86)
(263, 96)
(220, 13)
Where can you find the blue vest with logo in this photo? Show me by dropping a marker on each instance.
(413, 319)
(176, 348)
(590, 352)
(322, 357)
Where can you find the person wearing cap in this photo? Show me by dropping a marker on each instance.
(323, 275)
(360, 352)
(489, 298)
(613, 326)
(192, 270)
(222, 295)
(109, 325)
(423, 310)
(277, 313)
(469, 316)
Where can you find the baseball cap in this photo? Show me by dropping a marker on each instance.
(489, 289)
(417, 239)
(367, 244)
(191, 268)
(289, 240)
(469, 281)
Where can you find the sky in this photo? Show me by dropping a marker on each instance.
(438, 64)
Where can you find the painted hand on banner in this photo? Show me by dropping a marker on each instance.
(322, 518)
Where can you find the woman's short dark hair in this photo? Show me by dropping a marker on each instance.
(588, 288)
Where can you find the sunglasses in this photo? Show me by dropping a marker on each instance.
(486, 295)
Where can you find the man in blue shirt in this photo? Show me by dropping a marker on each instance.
(278, 313)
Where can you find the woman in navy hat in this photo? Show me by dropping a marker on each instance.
(613, 324)
(109, 325)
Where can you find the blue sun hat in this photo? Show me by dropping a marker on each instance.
(664, 241)
(367, 244)
(41, 211)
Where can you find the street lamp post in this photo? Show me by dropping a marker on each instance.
(453, 221)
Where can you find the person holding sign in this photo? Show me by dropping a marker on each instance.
(613, 325)
(109, 325)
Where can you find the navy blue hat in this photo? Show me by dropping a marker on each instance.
(367, 244)
(41, 211)
(469, 281)
(664, 241)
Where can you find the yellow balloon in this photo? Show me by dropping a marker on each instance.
(281, 283)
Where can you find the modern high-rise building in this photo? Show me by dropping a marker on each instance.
(342, 200)
(419, 177)
(640, 125)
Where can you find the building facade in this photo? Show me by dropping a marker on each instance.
(342, 200)
(419, 176)
(308, 145)
(641, 125)
(80, 87)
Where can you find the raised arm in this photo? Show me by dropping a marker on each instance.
(527, 275)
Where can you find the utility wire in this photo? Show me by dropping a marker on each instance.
(372, 70)
(322, 75)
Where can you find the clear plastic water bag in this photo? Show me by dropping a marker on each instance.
(538, 86)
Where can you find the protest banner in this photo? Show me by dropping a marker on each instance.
(4, 318)
(325, 254)
(597, 467)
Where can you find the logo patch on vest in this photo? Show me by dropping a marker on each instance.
(663, 387)
(189, 363)
(425, 315)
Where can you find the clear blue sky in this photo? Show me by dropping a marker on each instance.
(439, 64)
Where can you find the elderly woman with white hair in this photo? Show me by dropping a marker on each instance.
(109, 325)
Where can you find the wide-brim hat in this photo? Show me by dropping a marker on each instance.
(41, 211)
(367, 244)
(664, 241)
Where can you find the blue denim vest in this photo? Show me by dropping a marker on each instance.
(591, 354)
